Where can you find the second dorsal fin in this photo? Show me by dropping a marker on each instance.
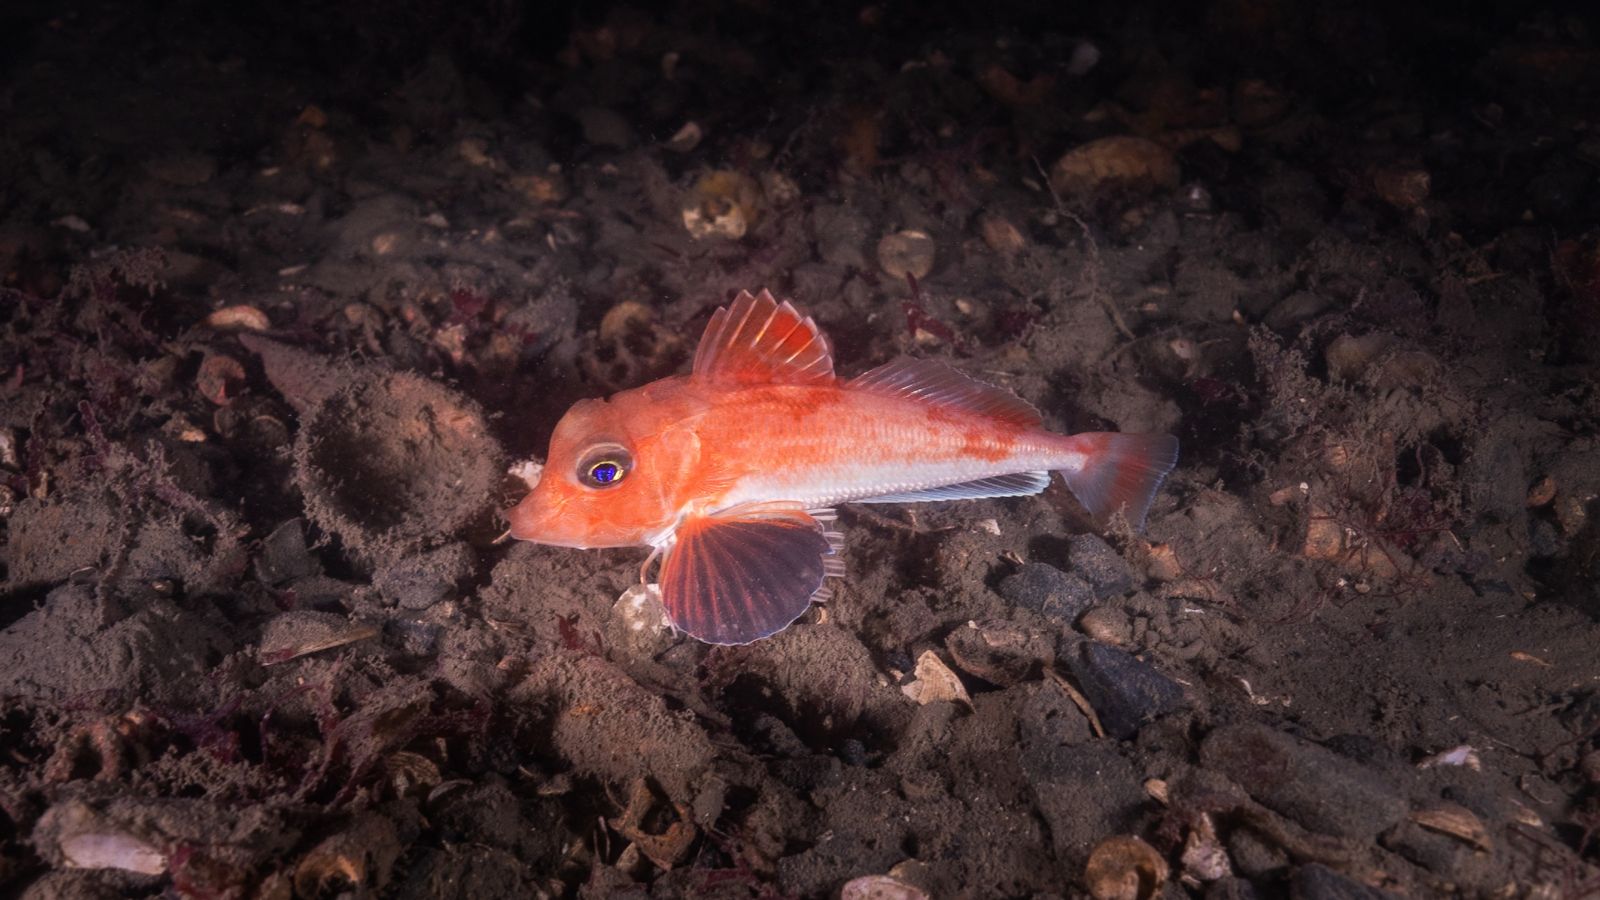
(932, 382)
(757, 340)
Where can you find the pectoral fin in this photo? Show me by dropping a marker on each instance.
(747, 573)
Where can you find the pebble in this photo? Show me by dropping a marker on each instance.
(1097, 563)
(1045, 589)
(1308, 783)
(1125, 691)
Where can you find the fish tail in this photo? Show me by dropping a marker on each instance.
(1120, 471)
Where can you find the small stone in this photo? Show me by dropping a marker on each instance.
(1102, 567)
(1045, 589)
(1125, 691)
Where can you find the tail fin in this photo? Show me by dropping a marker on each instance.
(1121, 471)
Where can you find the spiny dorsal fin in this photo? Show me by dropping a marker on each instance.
(933, 382)
(758, 341)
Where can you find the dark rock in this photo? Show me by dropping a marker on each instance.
(1085, 793)
(418, 582)
(841, 235)
(284, 556)
(605, 128)
(1253, 856)
(1096, 562)
(465, 871)
(1230, 888)
(1048, 591)
(1315, 881)
(1125, 691)
(1314, 786)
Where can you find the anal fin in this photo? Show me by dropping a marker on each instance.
(1019, 484)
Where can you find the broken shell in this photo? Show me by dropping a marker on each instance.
(1125, 868)
(9, 455)
(301, 632)
(1542, 492)
(780, 189)
(216, 371)
(1204, 857)
(639, 609)
(1000, 652)
(1456, 821)
(359, 859)
(411, 773)
(1131, 163)
(111, 850)
(240, 316)
(880, 887)
(1402, 188)
(935, 682)
(1257, 103)
(540, 189)
(1002, 236)
(906, 253)
(667, 848)
(687, 138)
(723, 204)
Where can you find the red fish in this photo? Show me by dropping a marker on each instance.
(731, 473)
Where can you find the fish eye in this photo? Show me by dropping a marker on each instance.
(604, 466)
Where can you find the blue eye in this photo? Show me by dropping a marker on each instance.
(605, 465)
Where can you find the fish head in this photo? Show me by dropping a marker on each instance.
(615, 475)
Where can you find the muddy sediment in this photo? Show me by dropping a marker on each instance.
(287, 294)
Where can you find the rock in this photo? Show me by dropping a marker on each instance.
(1047, 590)
(1084, 793)
(1126, 692)
(394, 461)
(284, 556)
(1315, 881)
(841, 235)
(605, 127)
(1230, 888)
(1317, 788)
(421, 580)
(1101, 566)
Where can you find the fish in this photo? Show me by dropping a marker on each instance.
(731, 475)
